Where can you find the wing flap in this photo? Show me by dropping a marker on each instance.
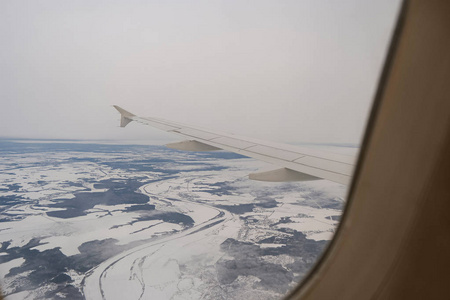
(191, 146)
(281, 175)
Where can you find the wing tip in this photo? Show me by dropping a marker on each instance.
(125, 116)
(123, 112)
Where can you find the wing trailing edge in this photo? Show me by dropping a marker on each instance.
(297, 163)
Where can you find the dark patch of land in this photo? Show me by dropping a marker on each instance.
(52, 266)
(248, 259)
(119, 192)
(238, 209)
(9, 201)
(221, 188)
(170, 217)
(264, 202)
(140, 207)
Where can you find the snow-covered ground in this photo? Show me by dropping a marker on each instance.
(140, 223)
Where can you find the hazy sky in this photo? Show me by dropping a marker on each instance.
(290, 71)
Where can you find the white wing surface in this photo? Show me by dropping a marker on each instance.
(297, 163)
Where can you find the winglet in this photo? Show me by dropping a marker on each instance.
(125, 116)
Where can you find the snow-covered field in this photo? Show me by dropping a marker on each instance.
(134, 222)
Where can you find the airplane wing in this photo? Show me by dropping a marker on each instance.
(297, 163)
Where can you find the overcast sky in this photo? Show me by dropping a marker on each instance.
(289, 71)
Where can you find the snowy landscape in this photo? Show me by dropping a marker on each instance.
(99, 221)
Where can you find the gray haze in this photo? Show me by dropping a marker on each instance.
(290, 71)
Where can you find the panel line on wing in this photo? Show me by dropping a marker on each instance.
(301, 155)
(270, 151)
(297, 163)
(238, 142)
(220, 145)
(161, 125)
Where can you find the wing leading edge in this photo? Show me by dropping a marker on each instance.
(297, 163)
